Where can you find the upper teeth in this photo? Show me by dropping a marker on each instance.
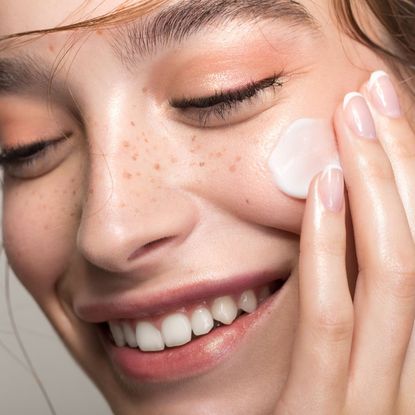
(176, 328)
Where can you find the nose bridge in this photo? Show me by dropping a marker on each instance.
(129, 204)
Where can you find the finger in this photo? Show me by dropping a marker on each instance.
(385, 292)
(317, 381)
(398, 141)
(406, 400)
(396, 137)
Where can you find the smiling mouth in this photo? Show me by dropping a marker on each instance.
(179, 327)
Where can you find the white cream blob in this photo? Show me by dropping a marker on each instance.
(304, 149)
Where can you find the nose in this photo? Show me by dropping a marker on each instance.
(128, 215)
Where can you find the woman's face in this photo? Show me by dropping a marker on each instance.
(155, 196)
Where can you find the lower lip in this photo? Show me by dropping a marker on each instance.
(198, 356)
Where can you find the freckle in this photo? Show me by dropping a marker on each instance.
(232, 168)
(123, 205)
(72, 215)
(73, 180)
(74, 192)
(146, 140)
(138, 174)
(125, 144)
(194, 138)
(135, 156)
(157, 166)
(144, 90)
(247, 201)
(46, 227)
(238, 159)
(127, 175)
(132, 123)
(202, 164)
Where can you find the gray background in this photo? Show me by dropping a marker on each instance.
(69, 389)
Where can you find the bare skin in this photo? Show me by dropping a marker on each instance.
(133, 170)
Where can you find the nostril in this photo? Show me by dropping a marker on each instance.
(145, 249)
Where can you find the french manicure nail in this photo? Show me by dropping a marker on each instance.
(383, 95)
(331, 188)
(358, 115)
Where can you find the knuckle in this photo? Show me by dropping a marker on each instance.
(403, 149)
(284, 407)
(394, 273)
(329, 247)
(375, 170)
(400, 282)
(334, 324)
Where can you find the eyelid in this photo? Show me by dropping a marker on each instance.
(226, 108)
(26, 151)
(228, 96)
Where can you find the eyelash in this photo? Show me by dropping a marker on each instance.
(223, 103)
(219, 105)
(26, 155)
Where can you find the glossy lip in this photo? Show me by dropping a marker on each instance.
(196, 357)
(138, 305)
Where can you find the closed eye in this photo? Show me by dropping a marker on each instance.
(27, 160)
(221, 105)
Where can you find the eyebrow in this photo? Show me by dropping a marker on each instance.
(23, 74)
(171, 25)
(179, 21)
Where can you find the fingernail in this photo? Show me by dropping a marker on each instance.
(331, 188)
(358, 115)
(383, 95)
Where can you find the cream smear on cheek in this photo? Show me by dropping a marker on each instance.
(304, 149)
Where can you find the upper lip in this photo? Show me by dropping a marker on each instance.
(136, 305)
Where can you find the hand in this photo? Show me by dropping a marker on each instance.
(356, 356)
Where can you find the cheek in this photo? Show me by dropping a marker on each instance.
(39, 230)
(232, 172)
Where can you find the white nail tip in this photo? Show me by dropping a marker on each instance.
(248, 301)
(375, 77)
(224, 310)
(348, 97)
(117, 334)
(176, 330)
(129, 335)
(202, 321)
(149, 338)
